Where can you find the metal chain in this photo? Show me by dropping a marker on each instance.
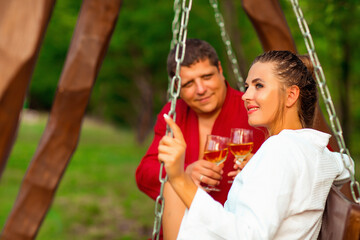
(174, 94)
(226, 39)
(175, 27)
(320, 78)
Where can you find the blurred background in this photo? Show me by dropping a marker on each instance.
(98, 197)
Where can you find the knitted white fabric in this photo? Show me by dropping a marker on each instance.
(280, 194)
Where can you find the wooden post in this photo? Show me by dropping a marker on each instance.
(91, 39)
(270, 24)
(22, 27)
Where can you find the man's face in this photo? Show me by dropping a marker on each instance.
(203, 87)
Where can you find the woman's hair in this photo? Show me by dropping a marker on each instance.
(291, 70)
(307, 61)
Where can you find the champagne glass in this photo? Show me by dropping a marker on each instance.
(216, 151)
(241, 143)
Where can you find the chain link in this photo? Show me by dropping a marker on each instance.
(320, 78)
(226, 39)
(174, 91)
(175, 23)
(175, 28)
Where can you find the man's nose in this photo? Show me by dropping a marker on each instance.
(200, 87)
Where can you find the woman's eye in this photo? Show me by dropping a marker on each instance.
(259, 85)
(246, 88)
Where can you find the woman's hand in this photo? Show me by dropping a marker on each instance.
(172, 151)
(240, 167)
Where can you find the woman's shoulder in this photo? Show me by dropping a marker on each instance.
(294, 143)
(301, 138)
(275, 142)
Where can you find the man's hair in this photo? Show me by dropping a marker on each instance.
(196, 50)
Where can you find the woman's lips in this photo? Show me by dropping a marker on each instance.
(251, 109)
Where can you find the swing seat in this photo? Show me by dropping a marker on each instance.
(341, 218)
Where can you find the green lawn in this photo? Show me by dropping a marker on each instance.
(97, 197)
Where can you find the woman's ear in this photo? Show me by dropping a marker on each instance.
(292, 95)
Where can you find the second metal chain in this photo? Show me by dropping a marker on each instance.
(321, 81)
(226, 39)
(174, 92)
(175, 28)
(175, 24)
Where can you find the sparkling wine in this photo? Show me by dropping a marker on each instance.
(242, 149)
(217, 157)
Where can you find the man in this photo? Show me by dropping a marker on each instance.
(208, 105)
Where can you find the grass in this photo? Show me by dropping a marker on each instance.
(97, 197)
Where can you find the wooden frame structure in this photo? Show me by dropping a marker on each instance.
(23, 25)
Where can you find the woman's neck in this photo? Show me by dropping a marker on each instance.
(290, 121)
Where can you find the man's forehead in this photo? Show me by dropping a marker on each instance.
(197, 70)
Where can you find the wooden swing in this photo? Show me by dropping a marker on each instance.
(341, 218)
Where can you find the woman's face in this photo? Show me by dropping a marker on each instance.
(262, 97)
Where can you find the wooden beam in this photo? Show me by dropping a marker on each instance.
(270, 24)
(22, 27)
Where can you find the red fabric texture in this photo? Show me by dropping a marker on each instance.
(232, 115)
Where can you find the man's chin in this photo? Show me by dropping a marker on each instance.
(206, 111)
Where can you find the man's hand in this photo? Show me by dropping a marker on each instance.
(206, 172)
(240, 167)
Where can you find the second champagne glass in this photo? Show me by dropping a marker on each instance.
(216, 151)
(241, 143)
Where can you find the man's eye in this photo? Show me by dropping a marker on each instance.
(188, 84)
(207, 77)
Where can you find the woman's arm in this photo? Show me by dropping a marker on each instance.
(173, 213)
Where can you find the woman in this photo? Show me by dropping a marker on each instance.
(282, 191)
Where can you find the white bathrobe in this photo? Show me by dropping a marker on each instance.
(280, 194)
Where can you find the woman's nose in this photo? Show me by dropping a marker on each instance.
(246, 95)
